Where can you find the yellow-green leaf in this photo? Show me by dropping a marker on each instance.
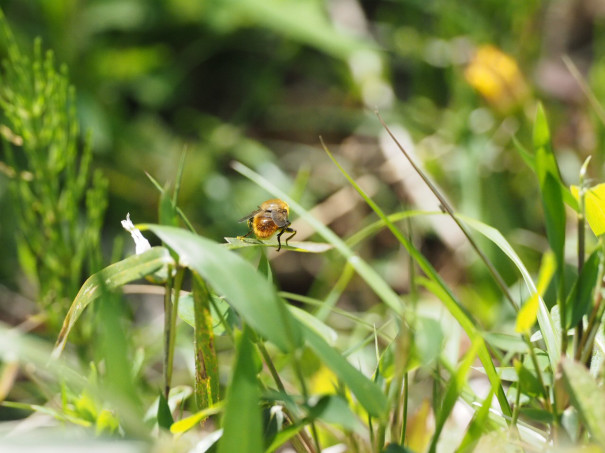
(594, 203)
(528, 314)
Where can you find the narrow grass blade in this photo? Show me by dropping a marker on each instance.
(306, 246)
(114, 276)
(366, 272)
(587, 397)
(478, 425)
(242, 423)
(454, 388)
(377, 283)
(369, 394)
(547, 328)
(244, 288)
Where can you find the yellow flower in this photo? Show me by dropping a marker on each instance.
(496, 76)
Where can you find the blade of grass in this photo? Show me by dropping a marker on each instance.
(114, 276)
(365, 271)
(455, 387)
(244, 288)
(374, 280)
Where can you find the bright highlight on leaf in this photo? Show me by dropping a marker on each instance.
(528, 314)
(594, 206)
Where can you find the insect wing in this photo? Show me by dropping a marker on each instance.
(280, 218)
(249, 216)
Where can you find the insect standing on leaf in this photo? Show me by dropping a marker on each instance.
(270, 217)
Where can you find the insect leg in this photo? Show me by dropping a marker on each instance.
(290, 230)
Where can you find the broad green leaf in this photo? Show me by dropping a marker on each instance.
(506, 342)
(545, 162)
(527, 315)
(554, 212)
(369, 395)
(594, 206)
(242, 422)
(587, 397)
(114, 276)
(580, 298)
(164, 417)
(245, 289)
(334, 409)
(528, 382)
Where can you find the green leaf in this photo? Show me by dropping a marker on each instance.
(580, 298)
(114, 276)
(334, 409)
(242, 422)
(165, 419)
(245, 289)
(528, 381)
(554, 212)
(541, 132)
(305, 246)
(527, 315)
(587, 397)
(368, 394)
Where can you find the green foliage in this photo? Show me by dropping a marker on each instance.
(408, 308)
(59, 211)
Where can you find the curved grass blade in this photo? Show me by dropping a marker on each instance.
(365, 271)
(230, 275)
(367, 392)
(375, 281)
(454, 388)
(547, 328)
(114, 276)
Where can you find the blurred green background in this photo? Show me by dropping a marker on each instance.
(260, 80)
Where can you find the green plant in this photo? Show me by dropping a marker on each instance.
(58, 210)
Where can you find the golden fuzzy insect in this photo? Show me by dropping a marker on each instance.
(270, 217)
